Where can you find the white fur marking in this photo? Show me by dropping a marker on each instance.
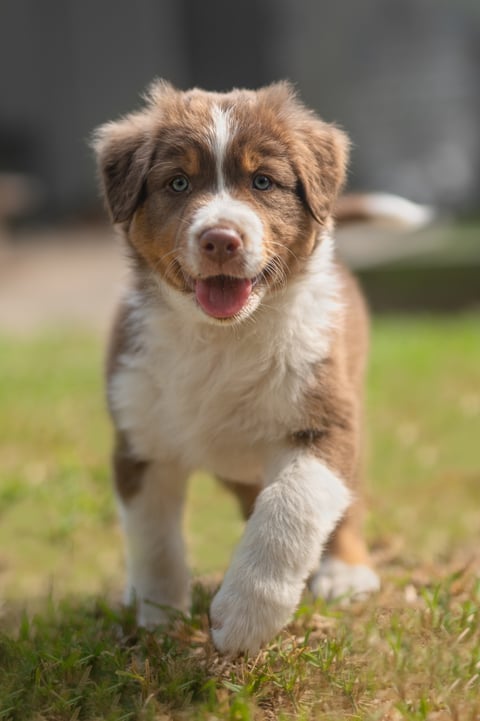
(256, 374)
(336, 579)
(225, 210)
(293, 517)
(221, 133)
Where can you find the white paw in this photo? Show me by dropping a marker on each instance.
(150, 614)
(336, 579)
(245, 615)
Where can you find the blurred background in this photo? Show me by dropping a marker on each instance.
(403, 79)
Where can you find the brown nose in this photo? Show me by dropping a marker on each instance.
(220, 244)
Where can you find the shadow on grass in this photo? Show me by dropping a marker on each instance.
(84, 659)
(408, 653)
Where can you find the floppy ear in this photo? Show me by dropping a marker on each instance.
(124, 151)
(321, 165)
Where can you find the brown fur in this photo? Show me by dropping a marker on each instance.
(246, 495)
(335, 407)
(128, 471)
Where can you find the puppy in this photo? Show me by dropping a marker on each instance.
(240, 349)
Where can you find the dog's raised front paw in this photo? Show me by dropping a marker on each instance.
(244, 615)
(336, 579)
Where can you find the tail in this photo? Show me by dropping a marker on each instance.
(390, 210)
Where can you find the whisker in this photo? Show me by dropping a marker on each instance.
(284, 247)
(276, 273)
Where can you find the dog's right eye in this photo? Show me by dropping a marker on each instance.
(179, 184)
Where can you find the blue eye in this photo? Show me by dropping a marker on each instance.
(262, 182)
(179, 184)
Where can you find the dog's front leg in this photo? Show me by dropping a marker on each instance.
(283, 539)
(151, 497)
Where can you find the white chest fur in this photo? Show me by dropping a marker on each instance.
(224, 398)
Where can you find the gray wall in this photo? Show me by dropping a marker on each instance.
(404, 79)
(65, 67)
(401, 76)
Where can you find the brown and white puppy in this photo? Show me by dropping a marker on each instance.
(239, 349)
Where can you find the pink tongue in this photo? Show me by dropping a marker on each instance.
(222, 297)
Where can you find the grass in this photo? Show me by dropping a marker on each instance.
(67, 649)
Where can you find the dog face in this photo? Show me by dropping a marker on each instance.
(222, 197)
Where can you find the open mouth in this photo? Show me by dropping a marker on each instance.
(222, 296)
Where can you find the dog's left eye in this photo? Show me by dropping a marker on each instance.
(262, 182)
(179, 184)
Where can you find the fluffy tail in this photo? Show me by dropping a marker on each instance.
(381, 208)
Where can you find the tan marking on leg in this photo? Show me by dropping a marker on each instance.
(245, 493)
(347, 542)
(128, 471)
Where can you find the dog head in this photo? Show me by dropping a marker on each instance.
(222, 197)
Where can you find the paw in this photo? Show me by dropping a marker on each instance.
(336, 579)
(244, 616)
(150, 614)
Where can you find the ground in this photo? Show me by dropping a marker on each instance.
(68, 651)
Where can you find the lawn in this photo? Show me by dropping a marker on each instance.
(67, 649)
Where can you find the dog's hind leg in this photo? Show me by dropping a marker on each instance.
(246, 494)
(345, 570)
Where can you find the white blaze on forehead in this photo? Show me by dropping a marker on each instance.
(223, 210)
(220, 134)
